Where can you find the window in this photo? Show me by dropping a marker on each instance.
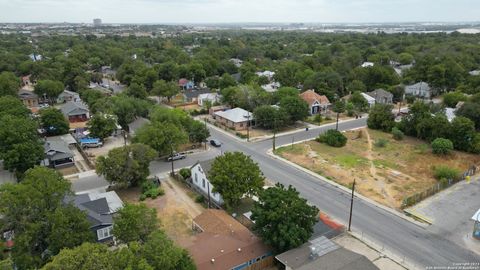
(203, 182)
(105, 233)
(196, 178)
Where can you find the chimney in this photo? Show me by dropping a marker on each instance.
(212, 261)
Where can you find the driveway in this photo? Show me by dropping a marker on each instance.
(450, 212)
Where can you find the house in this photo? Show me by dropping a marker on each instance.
(237, 119)
(35, 57)
(371, 101)
(185, 84)
(323, 254)
(271, 87)
(474, 72)
(199, 178)
(237, 77)
(381, 96)
(29, 98)
(100, 208)
(75, 111)
(67, 96)
(237, 62)
(367, 64)
(223, 243)
(191, 95)
(212, 97)
(26, 80)
(57, 154)
(476, 225)
(316, 103)
(421, 89)
(137, 124)
(266, 73)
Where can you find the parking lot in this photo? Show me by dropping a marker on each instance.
(450, 212)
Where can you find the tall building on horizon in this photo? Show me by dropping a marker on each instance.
(97, 22)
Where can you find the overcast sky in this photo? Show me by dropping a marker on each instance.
(215, 11)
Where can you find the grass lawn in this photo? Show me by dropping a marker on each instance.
(385, 174)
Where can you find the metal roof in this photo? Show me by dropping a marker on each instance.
(236, 115)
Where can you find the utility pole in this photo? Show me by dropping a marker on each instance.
(248, 127)
(336, 126)
(274, 131)
(171, 159)
(208, 188)
(205, 120)
(293, 139)
(351, 206)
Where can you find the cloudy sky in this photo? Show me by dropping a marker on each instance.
(214, 11)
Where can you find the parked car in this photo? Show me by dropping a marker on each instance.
(215, 143)
(176, 156)
(90, 143)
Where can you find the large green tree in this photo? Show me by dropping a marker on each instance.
(164, 137)
(165, 89)
(234, 175)
(126, 166)
(10, 105)
(135, 222)
(102, 125)
(87, 256)
(282, 218)
(49, 89)
(270, 117)
(53, 121)
(296, 107)
(381, 117)
(9, 84)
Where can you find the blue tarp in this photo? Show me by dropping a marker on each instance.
(89, 140)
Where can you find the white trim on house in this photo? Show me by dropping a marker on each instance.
(201, 182)
(105, 233)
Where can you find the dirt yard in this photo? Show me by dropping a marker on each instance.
(175, 209)
(384, 174)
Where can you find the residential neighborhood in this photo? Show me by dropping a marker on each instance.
(249, 146)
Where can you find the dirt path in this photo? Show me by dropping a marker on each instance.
(378, 182)
(176, 193)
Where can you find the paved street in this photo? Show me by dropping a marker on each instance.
(417, 244)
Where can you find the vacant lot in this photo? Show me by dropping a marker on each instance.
(385, 174)
(175, 209)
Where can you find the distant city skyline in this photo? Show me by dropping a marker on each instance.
(235, 11)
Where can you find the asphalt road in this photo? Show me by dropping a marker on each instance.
(405, 239)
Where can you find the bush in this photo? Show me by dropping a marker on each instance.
(199, 199)
(445, 172)
(397, 134)
(143, 197)
(381, 142)
(317, 118)
(147, 185)
(185, 173)
(441, 146)
(333, 138)
(154, 193)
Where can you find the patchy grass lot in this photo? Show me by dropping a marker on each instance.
(384, 174)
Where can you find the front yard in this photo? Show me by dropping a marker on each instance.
(385, 174)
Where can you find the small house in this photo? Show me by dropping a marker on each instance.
(191, 95)
(67, 96)
(199, 174)
(208, 97)
(100, 208)
(236, 119)
(266, 73)
(421, 89)
(215, 109)
(367, 64)
(237, 62)
(57, 154)
(221, 242)
(137, 124)
(75, 111)
(381, 96)
(271, 87)
(29, 98)
(185, 84)
(317, 103)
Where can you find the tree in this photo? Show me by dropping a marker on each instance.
(197, 132)
(135, 222)
(471, 111)
(226, 80)
(295, 107)
(360, 103)
(284, 92)
(338, 107)
(102, 125)
(137, 91)
(234, 175)
(53, 121)
(451, 99)
(441, 146)
(405, 58)
(282, 218)
(381, 117)
(10, 105)
(84, 257)
(165, 89)
(462, 134)
(270, 117)
(20, 146)
(49, 89)
(9, 84)
(126, 166)
(164, 137)
(333, 138)
(43, 223)
(429, 128)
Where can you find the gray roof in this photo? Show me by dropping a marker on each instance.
(190, 94)
(98, 212)
(422, 85)
(206, 165)
(66, 93)
(137, 123)
(323, 254)
(74, 108)
(236, 115)
(25, 94)
(379, 93)
(57, 150)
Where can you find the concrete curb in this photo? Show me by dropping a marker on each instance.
(226, 132)
(322, 178)
(419, 216)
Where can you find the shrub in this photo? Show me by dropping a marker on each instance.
(199, 199)
(143, 197)
(397, 134)
(445, 172)
(441, 146)
(147, 185)
(317, 118)
(381, 142)
(154, 193)
(333, 138)
(185, 173)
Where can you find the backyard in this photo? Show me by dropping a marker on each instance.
(385, 174)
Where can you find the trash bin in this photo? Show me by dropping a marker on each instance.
(306, 129)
